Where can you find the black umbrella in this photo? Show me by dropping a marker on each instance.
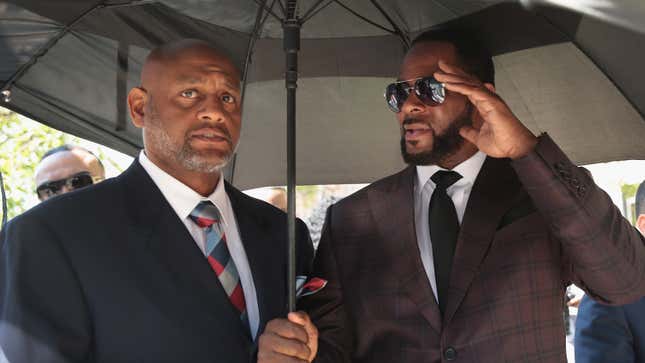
(70, 63)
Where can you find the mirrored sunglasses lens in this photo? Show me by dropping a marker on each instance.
(395, 96)
(80, 181)
(49, 189)
(430, 91)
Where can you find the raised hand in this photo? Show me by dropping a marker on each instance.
(501, 134)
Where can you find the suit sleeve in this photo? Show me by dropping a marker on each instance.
(43, 316)
(605, 254)
(602, 334)
(326, 306)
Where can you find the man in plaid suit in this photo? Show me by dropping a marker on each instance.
(466, 254)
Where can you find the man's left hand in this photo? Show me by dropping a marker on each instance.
(501, 134)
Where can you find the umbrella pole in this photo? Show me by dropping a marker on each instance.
(291, 28)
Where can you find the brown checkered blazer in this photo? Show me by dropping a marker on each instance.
(531, 227)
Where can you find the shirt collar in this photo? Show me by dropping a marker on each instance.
(181, 197)
(468, 169)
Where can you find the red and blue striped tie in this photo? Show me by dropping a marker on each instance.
(207, 216)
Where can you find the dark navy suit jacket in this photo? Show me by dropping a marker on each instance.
(110, 274)
(610, 333)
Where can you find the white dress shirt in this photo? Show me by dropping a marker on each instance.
(458, 192)
(183, 200)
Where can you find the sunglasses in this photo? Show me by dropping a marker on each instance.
(76, 181)
(427, 89)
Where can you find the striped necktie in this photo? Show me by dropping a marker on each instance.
(207, 216)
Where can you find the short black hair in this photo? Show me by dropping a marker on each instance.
(640, 199)
(68, 147)
(470, 49)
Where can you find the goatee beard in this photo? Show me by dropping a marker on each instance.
(443, 145)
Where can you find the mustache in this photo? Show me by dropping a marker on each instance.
(414, 120)
(217, 126)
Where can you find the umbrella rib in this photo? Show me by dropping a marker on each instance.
(308, 13)
(282, 9)
(317, 11)
(263, 5)
(46, 47)
(364, 18)
(397, 30)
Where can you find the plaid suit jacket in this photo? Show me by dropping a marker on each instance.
(531, 227)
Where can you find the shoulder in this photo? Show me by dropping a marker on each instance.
(74, 204)
(387, 184)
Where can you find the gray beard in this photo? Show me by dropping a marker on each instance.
(183, 153)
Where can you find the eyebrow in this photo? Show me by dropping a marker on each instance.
(190, 79)
(197, 80)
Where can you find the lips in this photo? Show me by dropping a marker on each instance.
(209, 135)
(415, 131)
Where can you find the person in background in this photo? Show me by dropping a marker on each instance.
(66, 168)
(613, 333)
(278, 198)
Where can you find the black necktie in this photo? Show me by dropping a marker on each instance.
(444, 228)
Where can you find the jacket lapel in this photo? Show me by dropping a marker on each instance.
(393, 208)
(173, 272)
(263, 252)
(492, 195)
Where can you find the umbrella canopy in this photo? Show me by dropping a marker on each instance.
(69, 64)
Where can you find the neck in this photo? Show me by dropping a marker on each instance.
(202, 183)
(464, 153)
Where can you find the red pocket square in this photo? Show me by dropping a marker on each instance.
(306, 287)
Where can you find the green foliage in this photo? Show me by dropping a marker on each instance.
(629, 190)
(308, 195)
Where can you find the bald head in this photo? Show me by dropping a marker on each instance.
(169, 54)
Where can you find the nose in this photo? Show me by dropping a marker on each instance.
(65, 189)
(212, 110)
(412, 104)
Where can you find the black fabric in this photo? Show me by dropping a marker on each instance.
(70, 63)
(444, 229)
(111, 271)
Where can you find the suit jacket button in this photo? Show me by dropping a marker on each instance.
(450, 354)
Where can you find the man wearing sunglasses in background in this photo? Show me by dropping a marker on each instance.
(66, 168)
(466, 254)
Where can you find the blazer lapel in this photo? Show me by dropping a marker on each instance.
(263, 252)
(393, 209)
(173, 271)
(492, 195)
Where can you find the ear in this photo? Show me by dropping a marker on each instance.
(640, 223)
(137, 99)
